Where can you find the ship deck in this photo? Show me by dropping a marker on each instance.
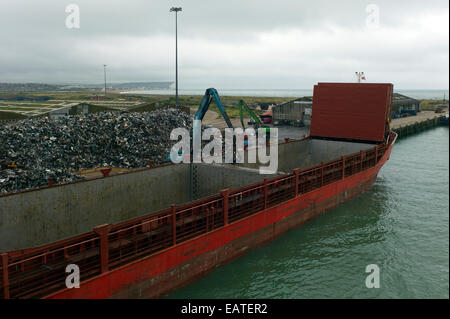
(115, 258)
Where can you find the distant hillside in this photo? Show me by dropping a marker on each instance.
(142, 85)
(28, 87)
(41, 87)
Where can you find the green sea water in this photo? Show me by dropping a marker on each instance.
(401, 225)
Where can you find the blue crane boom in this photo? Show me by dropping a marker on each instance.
(211, 94)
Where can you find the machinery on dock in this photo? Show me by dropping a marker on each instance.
(267, 117)
(211, 94)
(256, 122)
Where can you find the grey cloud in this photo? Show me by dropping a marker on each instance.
(244, 43)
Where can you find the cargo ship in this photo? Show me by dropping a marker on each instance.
(144, 233)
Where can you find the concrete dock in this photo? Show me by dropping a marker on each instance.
(414, 124)
(420, 117)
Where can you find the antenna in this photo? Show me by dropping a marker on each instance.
(360, 76)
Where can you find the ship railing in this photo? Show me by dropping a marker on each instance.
(159, 232)
(246, 202)
(37, 272)
(280, 190)
(200, 219)
(139, 239)
(46, 272)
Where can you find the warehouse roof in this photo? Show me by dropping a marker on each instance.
(403, 99)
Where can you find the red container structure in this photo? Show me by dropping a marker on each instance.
(351, 111)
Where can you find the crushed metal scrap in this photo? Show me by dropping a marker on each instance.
(34, 151)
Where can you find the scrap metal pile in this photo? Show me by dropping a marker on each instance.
(34, 151)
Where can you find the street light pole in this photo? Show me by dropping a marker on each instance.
(104, 73)
(176, 9)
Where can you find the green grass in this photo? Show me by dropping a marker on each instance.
(431, 105)
(188, 101)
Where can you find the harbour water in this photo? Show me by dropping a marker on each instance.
(401, 225)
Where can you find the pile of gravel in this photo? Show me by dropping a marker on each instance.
(36, 150)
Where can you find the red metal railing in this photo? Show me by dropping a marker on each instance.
(40, 271)
(46, 271)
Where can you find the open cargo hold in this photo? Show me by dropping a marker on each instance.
(52, 213)
(220, 214)
(352, 111)
(170, 247)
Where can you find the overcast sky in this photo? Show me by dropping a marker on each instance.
(227, 44)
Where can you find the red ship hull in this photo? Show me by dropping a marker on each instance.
(176, 266)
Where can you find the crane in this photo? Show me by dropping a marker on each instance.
(256, 121)
(211, 94)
